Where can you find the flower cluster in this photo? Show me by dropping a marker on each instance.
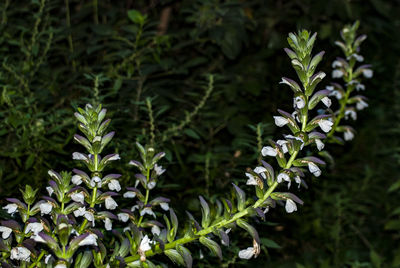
(345, 69)
(88, 218)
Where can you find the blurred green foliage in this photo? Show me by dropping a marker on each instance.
(149, 63)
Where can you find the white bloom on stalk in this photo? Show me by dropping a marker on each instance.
(114, 185)
(148, 211)
(78, 197)
(336, 64)
(249, 252)
(20, 254)
(361, 105)
(320, 144)
(34, 227)
(290, 206)
(110, 203)
(337, 74)
(283, 177)
(368, 73)
(107, 224)
(325, 125)
(90, 240)
(79, 156)
(80, 212)
(268, 150)
(357, 57)
(95, 181)
(114, 157)
(260, 171)
(336, 94)
(5, 232)
(45, 208)
(280, 121)
(298, 102)
(145, 244)
(360, 86)
(47, 258)
(60, 265)
(297, 180)
(350, 113)
(124, 217)
(158, 169)
(11, 208)
(129, 194)
(164, 206)
(90, 217)
(283, 144)
(348, 135)
(327, 101)
(151, 184)
(155, 230)
(251, 180)
(76, 179)
(314, 169)
(50, 190)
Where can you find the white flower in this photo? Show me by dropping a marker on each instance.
(78, 197)
(38, 239)
(314, 169)
(336, 94)
(158, 169)
(251, 180)
(35, 227)
(129, 194)
(155, 230)
(135, 207)
(76, 179)
(114, 185)
(336, 64)
(114, 157)
(361, 105)
(357, 57)
(261, 170)
(268, 150)
(50, 190)
(79, 156)
(124, 217)
(291, 137)
(290, 206)
(11, 208)
(368, 73)
(47, 258)
(283, 144)
(60, 265)
(90, 240)
(350, 113)
(325, 125)
(299, 102)
(147, 210)
(45, 208)
(95, 180)
(280, 121)
(283, 177)
(348, 135)
(327, 101)
(337, 74)
(164, 206)
(151, 185)
(80, 212)
(20, 254)
(330, 88)
(249, 252)
(5, 232)
(297, 180)
(360, 86)
(296, 116)
(110, 203)
(108, 224)
(89, 216)
(145, 244)
(320, 144)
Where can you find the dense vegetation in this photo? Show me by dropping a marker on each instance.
(199, 80)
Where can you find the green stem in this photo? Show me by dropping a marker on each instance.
(147, 194)
(38, 260)
(70, 43)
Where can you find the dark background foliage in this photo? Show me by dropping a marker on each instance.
(130, 55)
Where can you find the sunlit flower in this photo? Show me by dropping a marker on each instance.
(95, 181)
(360, 86)
(336, 64)
(76, 179)
(249, 252)
(320, 144)
(251, 179)
(280, 121)
(148, 211)
(327, 101)
(110, 203)
(164, 206)
(361, 105)
(314, 169)
(348, 135)
(20, 254)
(151, 184)
(79, 156)
(90, 217)
(45, 208)
(80, 212)
(155, 230)
(283, 177)
(268, 150)
(90, 240)
(78, 197)
(299, 102)
(368, 73)
(34, 227)
(283, 144)
(124, 217)
(50, 190)
(325, 125)
(158, 169)
(114, 185)
(260, 171)
(47, 258)
(145, 244)
(350, 113)
(290, 206)
(5, 232)
(11, 208)
(129, 194)
(107, 224)
(337, 74)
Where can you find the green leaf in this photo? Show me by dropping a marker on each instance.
(187, 256)
(211, 245)
(241, 198)
(174, 256)
(136, 17)
(375, 259)
(191, 133)
(269, 243)
(205, 212)
(252, 231)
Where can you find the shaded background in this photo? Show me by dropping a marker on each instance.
(57, 55)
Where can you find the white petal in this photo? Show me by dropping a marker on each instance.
(124, 217)
(164, 206)
(325, 125)
(290, 206)
(80, 212)
(45, 208)
(246, 253)
(107, 224)
(320, 144)
(11, 208)
(20, 253)
(155, 230)
(314, 169)
(368, 73)
(280, 121)
(337, 74)
(50, 190)
(282, 177)
(361, 105)
(336, 64)
(129, 194)
(34, 227)
(327, 101)
(114, 185)
(268, 150)
(76, 179)
(145, 244)
(78, 197)
(348, 135)
(158, 169)
(110, 203)
(299, 103)
(6, 232)
(90, 240)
